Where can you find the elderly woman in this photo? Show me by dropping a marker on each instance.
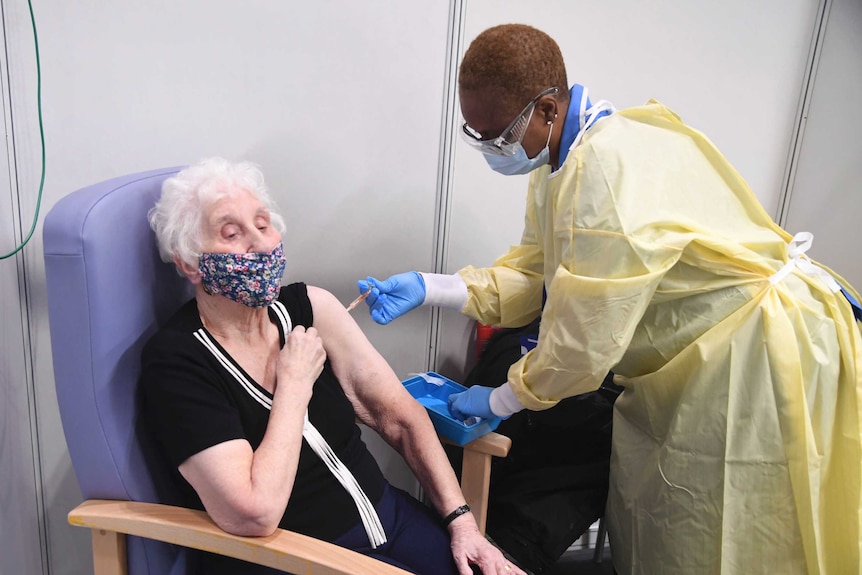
(253, 390)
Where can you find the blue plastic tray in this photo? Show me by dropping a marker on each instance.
(435, 399)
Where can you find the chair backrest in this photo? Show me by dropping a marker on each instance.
(108, 291)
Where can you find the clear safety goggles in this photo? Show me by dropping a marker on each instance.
(506, 143)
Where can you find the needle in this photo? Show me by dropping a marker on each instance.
(359, 300)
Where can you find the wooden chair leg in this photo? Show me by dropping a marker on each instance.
(475, 479)
(109, 553)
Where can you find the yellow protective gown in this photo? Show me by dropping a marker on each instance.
(736, 443)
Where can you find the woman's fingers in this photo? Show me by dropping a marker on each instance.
(303, 355)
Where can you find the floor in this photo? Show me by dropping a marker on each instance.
(581, 562)
(579, 559)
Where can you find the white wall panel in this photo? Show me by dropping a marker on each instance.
(20, 542)
(733, 69)
(826, 198)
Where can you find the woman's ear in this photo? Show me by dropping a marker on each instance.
(191, 273)
(548, 109)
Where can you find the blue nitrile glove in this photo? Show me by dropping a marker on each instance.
(394, 296)
(475, 401)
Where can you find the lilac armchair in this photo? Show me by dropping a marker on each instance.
(107, 292)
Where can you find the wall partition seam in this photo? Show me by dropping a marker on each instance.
(817, 37)
(19, 232)
(446, 167)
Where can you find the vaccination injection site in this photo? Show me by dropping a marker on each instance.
(469, 287)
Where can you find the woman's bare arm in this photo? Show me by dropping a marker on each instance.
(382, 403)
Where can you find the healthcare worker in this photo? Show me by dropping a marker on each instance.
(736, 443)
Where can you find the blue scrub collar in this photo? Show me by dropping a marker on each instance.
(572, 125)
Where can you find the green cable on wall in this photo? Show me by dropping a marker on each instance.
(41, 137)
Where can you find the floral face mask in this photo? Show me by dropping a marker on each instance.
(252, 279)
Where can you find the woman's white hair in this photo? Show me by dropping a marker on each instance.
(178, 216)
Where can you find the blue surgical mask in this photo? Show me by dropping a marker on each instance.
(252, 279)
(519, 163)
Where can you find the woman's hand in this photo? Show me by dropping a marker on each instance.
(469, 547)
(300, 361)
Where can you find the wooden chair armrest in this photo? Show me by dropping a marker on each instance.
(491, 444)
(285, 550)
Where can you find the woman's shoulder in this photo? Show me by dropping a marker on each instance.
(307, 301)
(322, 299)
(294, 298)
(296, 290)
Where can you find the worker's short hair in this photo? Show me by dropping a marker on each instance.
(515, 61)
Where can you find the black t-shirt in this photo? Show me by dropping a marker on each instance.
(194, 396)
